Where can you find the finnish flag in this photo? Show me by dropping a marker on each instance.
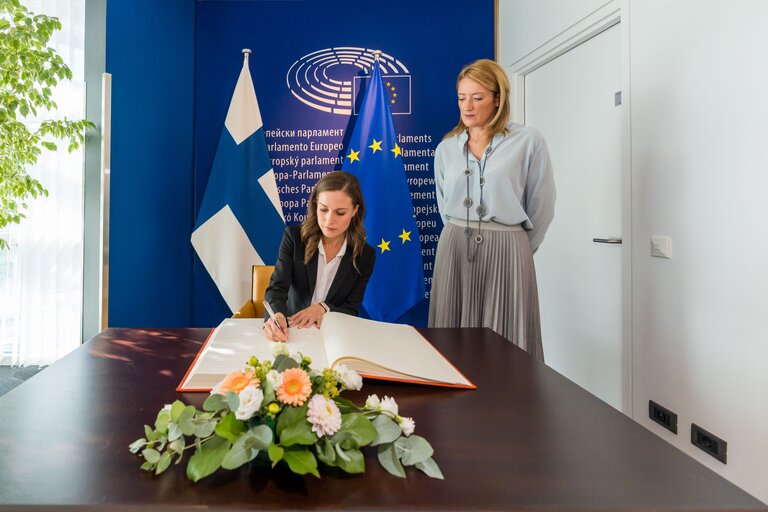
(240, 222)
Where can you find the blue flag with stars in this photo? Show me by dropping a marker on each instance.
(373, 155)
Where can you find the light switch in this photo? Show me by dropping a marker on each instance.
(661, 247)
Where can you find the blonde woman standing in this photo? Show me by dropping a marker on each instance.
(496, 196)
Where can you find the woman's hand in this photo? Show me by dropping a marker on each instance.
(313, 315)
(273, 332)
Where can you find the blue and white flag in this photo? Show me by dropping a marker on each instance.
(240, 222)
(374, 156)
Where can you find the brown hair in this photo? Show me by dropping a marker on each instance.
(491, 76)
(310, 229)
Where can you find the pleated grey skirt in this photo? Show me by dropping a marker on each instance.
(496, 290)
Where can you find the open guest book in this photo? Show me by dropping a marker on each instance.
(376, 350)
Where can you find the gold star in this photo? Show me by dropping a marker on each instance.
(392, 101)
(405, 236)
(353, 155)
(376, 146)
(394, 95)
(393, 87)
(389, 83)
(384, 246)
(396, 151)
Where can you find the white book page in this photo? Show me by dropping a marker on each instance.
(235, 340)
(392, 346)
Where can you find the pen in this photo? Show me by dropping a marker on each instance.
(273, 317)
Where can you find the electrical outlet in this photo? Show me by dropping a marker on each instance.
(710, 443)
(662, 416)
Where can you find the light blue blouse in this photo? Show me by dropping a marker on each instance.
(519, 183)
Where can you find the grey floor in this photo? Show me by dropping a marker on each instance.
(11, 377)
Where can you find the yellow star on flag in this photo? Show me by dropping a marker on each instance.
(376, 146)
(384, 246)
(353, 155)
(396, 151)
(405, 236)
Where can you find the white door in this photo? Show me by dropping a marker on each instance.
(571, 100)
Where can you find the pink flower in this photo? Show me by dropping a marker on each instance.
(324, 416)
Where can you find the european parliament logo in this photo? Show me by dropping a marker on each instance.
(332, 80)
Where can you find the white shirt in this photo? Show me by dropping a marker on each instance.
(519, 183)
(326, 271)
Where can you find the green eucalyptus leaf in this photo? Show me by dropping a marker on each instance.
(387, 430)
(174, 432)
(233, 400)
(214, 403)
(301, 461)
(260, 437)
(163, 463)
(177, 446)
(177, 408)
(186, 424)
(240, 453)
(161, 423)
(413, 449)
(149, 433)
(299, 433)
(283, 362)
(390, 461)
(429, 467)
(205, 428)
(230, 428)
(137, 445)
(151, 455)
(207, 458)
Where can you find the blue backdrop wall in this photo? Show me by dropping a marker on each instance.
(151, 56)
(177, 72)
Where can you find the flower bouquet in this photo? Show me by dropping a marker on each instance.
(282, 411)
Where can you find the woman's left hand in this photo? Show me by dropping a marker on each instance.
(313, 315)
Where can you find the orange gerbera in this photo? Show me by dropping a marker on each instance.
(296, 387)
(236, 382)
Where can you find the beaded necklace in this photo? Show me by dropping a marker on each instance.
(481, 211)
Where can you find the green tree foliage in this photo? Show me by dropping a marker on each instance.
(29, 70)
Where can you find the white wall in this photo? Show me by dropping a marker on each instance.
(699, 165)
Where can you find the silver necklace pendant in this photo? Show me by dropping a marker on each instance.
(467, 172)
(468, 232)
(481, 211)
(479, 239)
(467, 202)
(482, 180)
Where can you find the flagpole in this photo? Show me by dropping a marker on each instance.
(246, 53)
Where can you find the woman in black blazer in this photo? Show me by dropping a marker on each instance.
(324, 264)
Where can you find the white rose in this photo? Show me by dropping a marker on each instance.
(250, 401)
(389, 405)
(407, 424)
(372, 402)
(279, 349)
(349, 378)
(275, 379)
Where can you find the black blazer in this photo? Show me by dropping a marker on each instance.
(293, 283)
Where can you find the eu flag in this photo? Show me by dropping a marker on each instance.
(240, 222)
(374, 156)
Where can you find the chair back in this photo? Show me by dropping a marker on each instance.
(260, 281)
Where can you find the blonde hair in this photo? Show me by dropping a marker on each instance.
(310, 229)
(491, 76)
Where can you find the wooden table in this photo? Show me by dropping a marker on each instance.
(526, 439)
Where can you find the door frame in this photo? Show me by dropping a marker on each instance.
(603, 18)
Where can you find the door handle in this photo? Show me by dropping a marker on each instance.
(607, 240)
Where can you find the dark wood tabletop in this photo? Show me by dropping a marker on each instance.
(526, 439)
